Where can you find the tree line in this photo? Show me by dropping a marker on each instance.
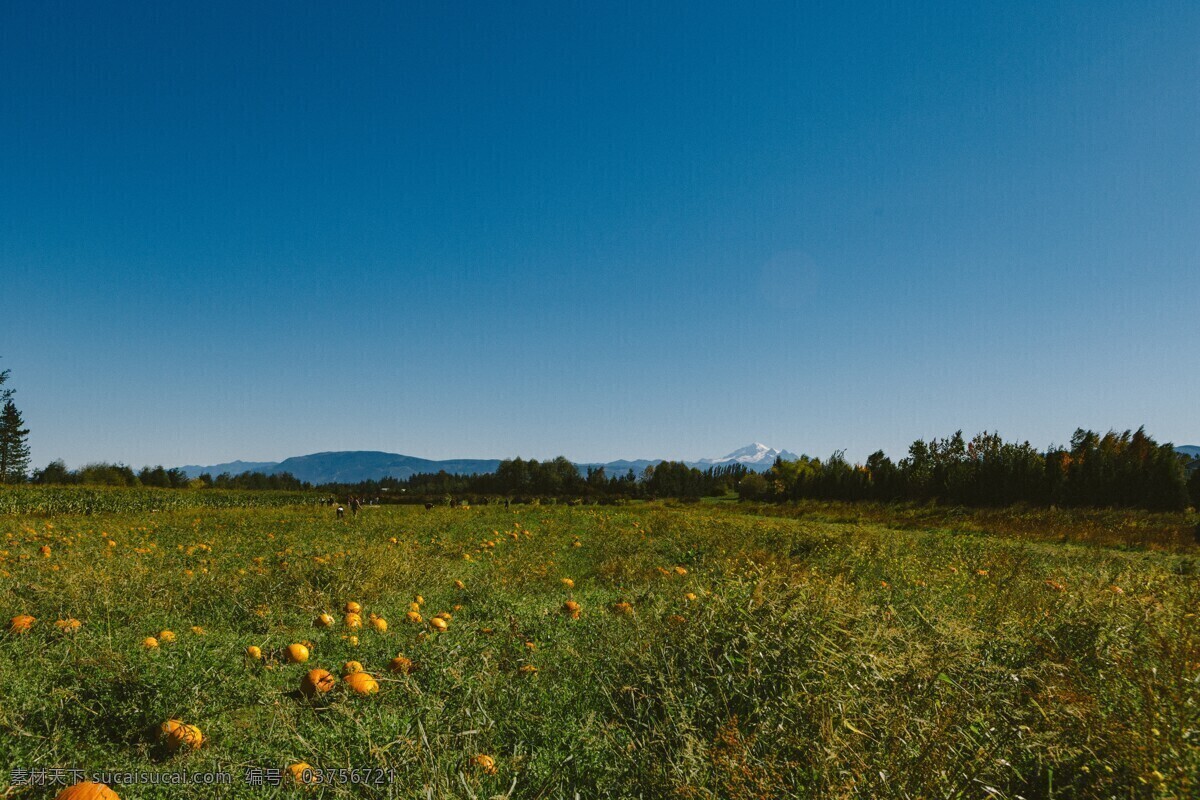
(1117, 470)
(56, 473)
(521, 480)
(1113, 470)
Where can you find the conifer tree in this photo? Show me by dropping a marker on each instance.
(14, 445)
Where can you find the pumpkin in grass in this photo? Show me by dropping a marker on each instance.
(623, 608)
(324, 620)
(361, 683)
(402, 664)
(68, 625)
(459, 585)
(439, 624)
(316, 681)
(353, 608)
(150, 643)
(485, 763)
(419, 600)
(166, 636)
(353, 621)
(87, 791)
(351, 667)
(178, 735)
(413, 617)
(302, 773)
(21, 623)
(254, 652)
(379, 624)
(414, 607)
(567, 582)
(296, 653)
(572, 609)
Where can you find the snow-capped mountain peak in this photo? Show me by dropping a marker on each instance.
(752, 455)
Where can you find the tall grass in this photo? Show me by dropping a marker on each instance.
(100, 499)
(817, 659)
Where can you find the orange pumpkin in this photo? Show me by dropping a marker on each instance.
(302, 773)
(572, 609)
(350, 667)
(21, 623)
(379, 624)
(402, 665)
(362, 683)
(353, 608)
(150, 643)
(297, 653)
(166, 636)
(316, 681)
(254, 652)
(439, 624)
(176, 735)
(87, 791)
(324, 621)
(413, 616)
(353, 621)
(484, 762)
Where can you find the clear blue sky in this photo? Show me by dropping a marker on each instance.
(483, 229)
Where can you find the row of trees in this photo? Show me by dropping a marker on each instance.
(516, 479)
(1126, 469)
(104, 474)
(521, 479)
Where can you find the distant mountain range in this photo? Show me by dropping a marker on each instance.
(352, 466)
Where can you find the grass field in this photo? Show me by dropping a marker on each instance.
(757, 656)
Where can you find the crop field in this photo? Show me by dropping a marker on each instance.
(653, 651)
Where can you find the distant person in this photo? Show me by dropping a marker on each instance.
(341, 512)
(355, 505)
(428, 506)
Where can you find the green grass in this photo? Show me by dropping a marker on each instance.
(29, 500)
(821, 658)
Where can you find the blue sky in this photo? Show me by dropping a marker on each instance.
(602, 230)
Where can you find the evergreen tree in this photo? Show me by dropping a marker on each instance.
(14, 447)
(5, 394)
